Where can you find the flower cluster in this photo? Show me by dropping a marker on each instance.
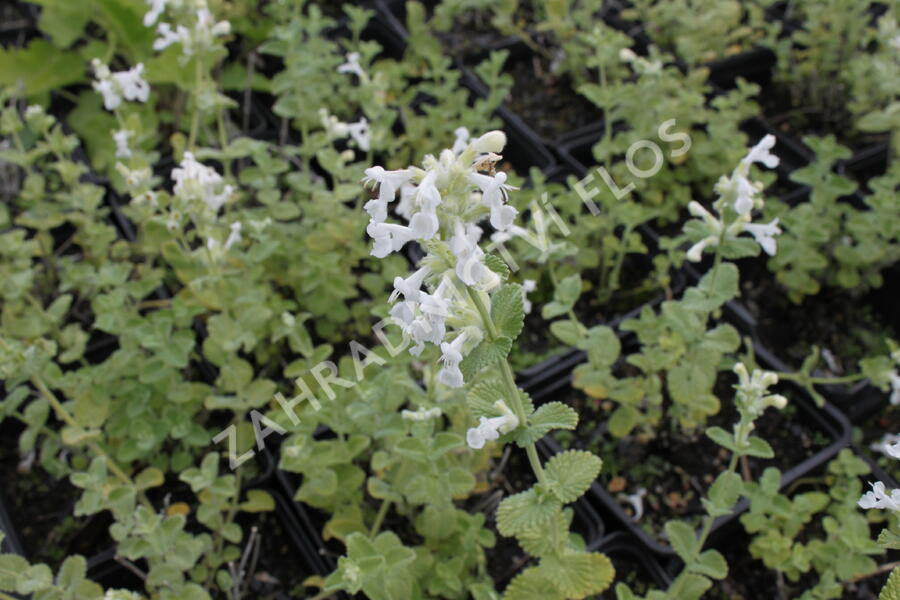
(878, 496)
(442, 203)
(193, 40)
(741, 195)
(129, 84)
(195, 181)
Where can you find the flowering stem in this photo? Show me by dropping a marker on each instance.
(709, 519)
(509, 382)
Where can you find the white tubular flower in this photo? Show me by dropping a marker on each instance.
(168, 36)
(878, 498)
(121, 139)
(464, 245)
(490, 429)
(421, 414)
(636, 500)
(893, 450)
(388, 181)
(404, 313)
(409, 287)
(235, 236)
(493, 195)
(132, 83)
(156, 9)
(695, 252)
(895, 388)
(388, 237)
(113, 87)
(765, 235)
(881, 446)
(462, 139)
(528, 286)
(406, 207)
(352, 66)
(760, 153)
(359, 131)
(194, 180)
(752, 390)
(451, 356)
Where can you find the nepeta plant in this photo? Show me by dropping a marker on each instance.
(473, 317)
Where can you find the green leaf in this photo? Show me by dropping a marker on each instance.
(759, 448)
(149, 478)
(710, 563)
(533, 584)
(582, 574)
(507, 311)
(11, 566)
(723, 494)
(524, 511)
(602, 345)
(891, 589)
(571, 473)
(568, 331)
(721, 437)
(63, 20)
(485, 353)
(258, 501)
(40, 67)
(549, 416)
(683, 540)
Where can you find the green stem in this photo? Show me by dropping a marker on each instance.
(716, 262)
(379, 518)
(195, 119)
(94, 446)
(620, 259)
(509, 382)
(821, 380)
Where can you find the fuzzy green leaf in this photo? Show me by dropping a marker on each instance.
(711, 564)
(485, 353)
(582, 574)
(550, 416)
(571, 473)
(524, 511)
(507, 311)
(891, 589)
(683, 540)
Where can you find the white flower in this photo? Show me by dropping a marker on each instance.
(451, 355)
(121, 139)
(404, 313)
(462, 139)
(113, 87)
(877, 498)
(490, 429)
(235, 236)
(493, 196)
(528, 286)
(695, 252)
(760, 153)
(156, 9)
(421, 414)
(889, 445)
(765, 235)
(410, 286)
(388, 237)
(194, 180)
(352, 66)
(895, 388)
(752, 390)
(464, 245)
(388, 182)
(433, 310)
(169, 36)
(359, 131)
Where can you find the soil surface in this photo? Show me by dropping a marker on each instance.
(850, 325)
(676, 468)
(41, 508)
(749, 579)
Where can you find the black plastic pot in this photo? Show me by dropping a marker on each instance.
(828, 420)
(620, 546)
(867, 163)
